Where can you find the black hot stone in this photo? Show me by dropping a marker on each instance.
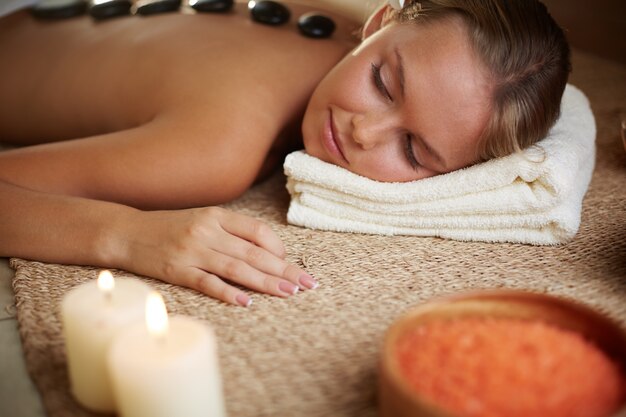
(211, 6)
(110, 8)
(270, 13)
(59, 9)
(316, 26)
(149, 7)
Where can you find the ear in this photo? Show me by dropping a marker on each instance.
(377, 20)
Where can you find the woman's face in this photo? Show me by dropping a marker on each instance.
(409, 103)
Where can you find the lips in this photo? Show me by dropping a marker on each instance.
(331, 140)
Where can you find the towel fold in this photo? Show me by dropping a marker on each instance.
(534, 196)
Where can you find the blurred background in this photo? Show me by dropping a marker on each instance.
(597, 26)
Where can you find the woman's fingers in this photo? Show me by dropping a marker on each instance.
(252, 230)
(264, 261)
(255, 243)
(242, 273)
(213, 286)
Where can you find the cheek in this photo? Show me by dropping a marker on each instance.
(389, 165)
(382, 164)
(314, 120)
(308, 129)
(337, 89)
(346, 83)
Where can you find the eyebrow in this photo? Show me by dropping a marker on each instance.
(401, 82)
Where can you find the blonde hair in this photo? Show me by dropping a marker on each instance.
(527, 57)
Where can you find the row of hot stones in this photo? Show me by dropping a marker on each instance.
(265, 12)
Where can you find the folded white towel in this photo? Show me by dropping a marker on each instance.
(534, 196)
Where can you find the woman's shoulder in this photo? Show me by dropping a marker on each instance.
(229, 64)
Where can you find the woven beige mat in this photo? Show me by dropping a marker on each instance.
(315, 354)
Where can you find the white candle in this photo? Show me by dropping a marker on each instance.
(166, 367)
(92, 314)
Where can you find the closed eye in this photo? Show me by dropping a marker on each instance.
(378, 82)
(409, 152)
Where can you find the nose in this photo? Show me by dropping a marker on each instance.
(371, 129)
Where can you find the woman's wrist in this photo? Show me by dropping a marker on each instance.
(114, 234)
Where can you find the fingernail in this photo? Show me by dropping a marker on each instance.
(288, 287)
(307, 281)
(243, 300)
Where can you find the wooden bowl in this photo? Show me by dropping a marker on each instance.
(398, 399)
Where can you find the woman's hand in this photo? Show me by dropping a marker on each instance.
(208, 248)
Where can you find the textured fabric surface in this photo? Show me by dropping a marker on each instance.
(316, 354)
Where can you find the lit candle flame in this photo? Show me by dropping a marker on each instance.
(156, 315)
(106, 283)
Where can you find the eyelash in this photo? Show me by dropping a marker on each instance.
(408, 150)
(378, 82)
(408, 142)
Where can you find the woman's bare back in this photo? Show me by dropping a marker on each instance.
(171, 110)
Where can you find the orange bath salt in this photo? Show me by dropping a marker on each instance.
(489, 367)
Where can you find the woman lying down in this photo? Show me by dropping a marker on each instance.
(130, 130)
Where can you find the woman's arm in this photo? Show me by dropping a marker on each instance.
(52, 209)
(172, 162)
